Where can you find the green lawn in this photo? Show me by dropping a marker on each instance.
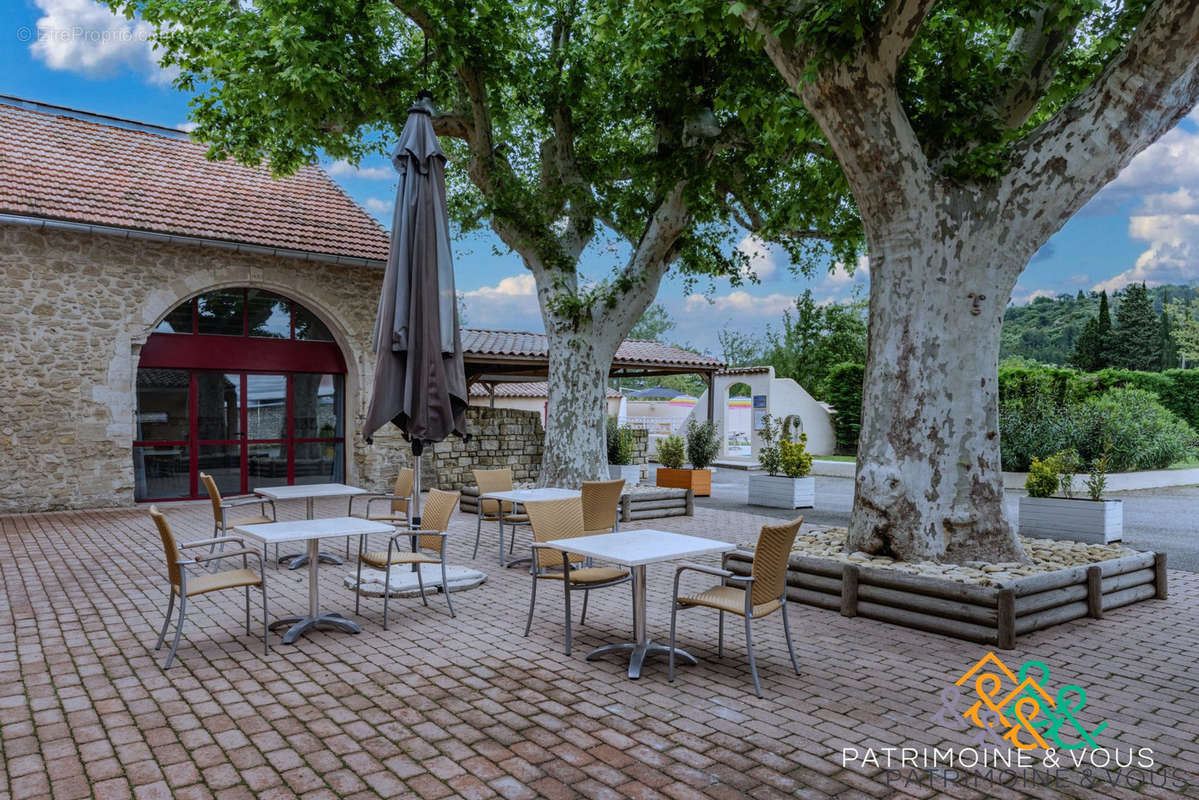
(835, 458)
(1192, 464)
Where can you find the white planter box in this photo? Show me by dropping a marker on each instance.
(1074, 519)
(630, 472)
(781, 492)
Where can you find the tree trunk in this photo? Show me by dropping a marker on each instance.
(575, 445)
(929, 484)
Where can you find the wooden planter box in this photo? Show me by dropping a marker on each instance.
(698, 481)
(654, 504)
(1074, 518)
(988, 615)
(779, 491)
(630, 472)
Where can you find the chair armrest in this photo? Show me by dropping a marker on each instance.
(244, 501)
(742, 553)
(217, 540)
(241, 551)
(706, 570)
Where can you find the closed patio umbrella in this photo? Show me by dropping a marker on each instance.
(420, 383)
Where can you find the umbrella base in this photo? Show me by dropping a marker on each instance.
(302, 625)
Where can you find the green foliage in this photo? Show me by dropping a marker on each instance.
(770, 455)
(844, 394)
(1096, 480)
(1136, 432)
(794, 459)
(703, 443)
(1136, 341)
(1067, 463)
(1088, 349)
(671, 451)
(654, 324)
(1042, 480)
(1185, 318)
(620, 443)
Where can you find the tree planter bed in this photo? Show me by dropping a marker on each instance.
(1076, 519)
(635, 505)
(778, 491)
(984, 614)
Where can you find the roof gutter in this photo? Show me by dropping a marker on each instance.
(42, 223)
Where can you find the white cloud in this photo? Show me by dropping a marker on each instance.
(511, 304)
(741, 302)
(760, 259)
(344, 169)
(87, 38)
(377, 206)
(1173, 254)
(188, 127)
(1022, 296)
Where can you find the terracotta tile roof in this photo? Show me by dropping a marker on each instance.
(535, 390)
(517, 345)
(62, 167)
(744, 370)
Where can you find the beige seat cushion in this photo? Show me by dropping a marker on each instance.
(259, 520)
(508, 517)
(588, 574)
(378, 558)
(727, 598)
(228, 579)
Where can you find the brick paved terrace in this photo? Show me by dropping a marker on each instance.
(468, 707)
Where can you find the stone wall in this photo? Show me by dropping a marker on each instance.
(500, 437)
(640, 446)
(77, 309)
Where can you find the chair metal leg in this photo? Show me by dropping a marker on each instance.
(167, 619)
(266, 621)
(586, 596)
(532, 602)
(478, 530)
(787, 634)
(178, 631)
(386, 591)
(358, 584)
(720, 637)
(347, 548)
(674, 612)
(247, 611)
(420, 583)
(445, 587)
(753, 665)
(566, 584)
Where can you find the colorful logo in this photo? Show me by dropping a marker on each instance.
(1017, 709)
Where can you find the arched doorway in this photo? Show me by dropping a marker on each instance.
(738, 421)
(244, 384)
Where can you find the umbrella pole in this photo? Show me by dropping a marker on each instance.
(416, 489)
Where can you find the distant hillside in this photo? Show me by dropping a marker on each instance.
(1045, 329)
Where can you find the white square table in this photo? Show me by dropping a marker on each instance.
(635, 549)
(516, 497)
(310, 492)
(312, 531)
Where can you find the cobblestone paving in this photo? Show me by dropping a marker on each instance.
(468, 707)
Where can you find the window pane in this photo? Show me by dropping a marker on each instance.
(268, 465)
(309, 328)
(161, 473)
(223, 463)
(268, 315)
(266, 406)
(162, 405)
(220, 312)
(319, 462)
(178, 321)
(218, 413)
(318, 406)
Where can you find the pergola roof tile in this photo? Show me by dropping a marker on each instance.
(514, 347)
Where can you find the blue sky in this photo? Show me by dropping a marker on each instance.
(1144, 226)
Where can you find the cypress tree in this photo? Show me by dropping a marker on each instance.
(1088, 350)
(1136, 342)
(1167, 347)
(1104, 358)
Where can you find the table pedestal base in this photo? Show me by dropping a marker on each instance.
(302, 625)
(297, 560)
(638, 653)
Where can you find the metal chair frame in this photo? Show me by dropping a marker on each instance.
(372, 498)
(220, 528)
(498, 515)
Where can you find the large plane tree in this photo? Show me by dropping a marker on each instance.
(574, 127)
(969, 132)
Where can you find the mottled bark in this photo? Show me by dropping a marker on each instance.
(575, 446)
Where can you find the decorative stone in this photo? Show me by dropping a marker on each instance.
(404, 582)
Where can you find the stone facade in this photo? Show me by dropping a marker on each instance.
(500, 437)
(77, 309)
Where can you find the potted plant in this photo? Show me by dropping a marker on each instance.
(1090, 519)
(785, 480)
(620, 453)
(701, 446)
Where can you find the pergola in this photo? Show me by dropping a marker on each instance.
(493, 357)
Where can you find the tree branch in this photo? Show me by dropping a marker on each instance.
(1146, 89)
(899, 23)
(1033, 53)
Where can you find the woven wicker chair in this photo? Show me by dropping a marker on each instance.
(758, 595)
(563, 519)
(183, 587)
(496, 480)
(400, 512)
(428, 547)
(220, 519)
(601, 514)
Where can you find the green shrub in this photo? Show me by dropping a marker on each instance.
(620, 443)
(770, 455)
(843, 388)
(1042, 479)
(1097, 479)
(794, 459)
(1141, 433)
(703, 443)
(671, 451)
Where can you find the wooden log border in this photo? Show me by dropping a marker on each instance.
(987, 615)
